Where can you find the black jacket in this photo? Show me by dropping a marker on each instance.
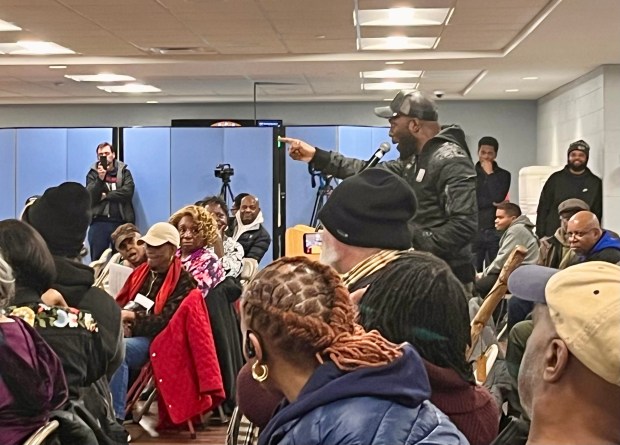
(444, 181)
(74, 281)
(122, 195)
(490, 188)
(563, 185)
(253, 237)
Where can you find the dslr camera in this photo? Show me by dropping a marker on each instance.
(224, 172)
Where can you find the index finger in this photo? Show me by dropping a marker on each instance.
(287, 140)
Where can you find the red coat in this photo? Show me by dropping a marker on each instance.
(185, 366)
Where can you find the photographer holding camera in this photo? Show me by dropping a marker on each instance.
(110, 185)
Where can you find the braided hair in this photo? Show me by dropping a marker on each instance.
(418, 300)
(296, 304)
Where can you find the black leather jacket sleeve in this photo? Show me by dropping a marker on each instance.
(457, 190)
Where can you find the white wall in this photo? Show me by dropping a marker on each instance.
(589, 109)
(513, 123)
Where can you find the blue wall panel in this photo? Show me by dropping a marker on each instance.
(194, 154)
(147, 155)
(7, 174)
(81, 146)
(41, 161)
(249, 152)
(300, 196)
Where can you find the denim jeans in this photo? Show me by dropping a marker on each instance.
(136, 356)
(99, 237)
(486, 246)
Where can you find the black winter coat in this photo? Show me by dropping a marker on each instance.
(443, 179)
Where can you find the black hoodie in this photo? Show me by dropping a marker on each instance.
(74, 281)
(443, 178)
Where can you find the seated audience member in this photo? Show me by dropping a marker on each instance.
(417, 299)
(198, 234)
(162, 284)
(199, 230)
(129, 252)
(555, 250)
(569, 380)
(71, 333)
(341, 383)
(517, 229)
(589, 241)
(232, 259)
(62, 216)
(249, 230)
(32, 383)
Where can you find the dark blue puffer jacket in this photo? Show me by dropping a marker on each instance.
(385, 405)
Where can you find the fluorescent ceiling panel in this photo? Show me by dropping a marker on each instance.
(389, 86)
(6, 26)
(33, 48)
(391, 74)
(100, 77)
(402, 17)
(396, 42)
(130, 88)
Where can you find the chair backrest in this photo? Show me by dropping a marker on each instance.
(40, 436)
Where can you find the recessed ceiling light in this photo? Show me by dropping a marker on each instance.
(30, 47)
(152, 102)
(130, 88)
(530, 78)
(103, 77)
(57, 67)
(396, 42)
(394, 62)
(390, 74)
(512, 90)
(389, 86)
(320, 36)
(401, 17)
(6, 26)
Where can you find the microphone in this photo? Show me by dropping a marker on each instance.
(376, 157)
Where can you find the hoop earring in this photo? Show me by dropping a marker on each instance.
(264, 372)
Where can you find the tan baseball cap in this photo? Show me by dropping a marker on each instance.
(160, 234)
(584, 304)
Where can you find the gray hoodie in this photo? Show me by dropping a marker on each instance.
(520, 232)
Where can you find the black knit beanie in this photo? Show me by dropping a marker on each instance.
(371, 209)
(62, 217)
(580, 145)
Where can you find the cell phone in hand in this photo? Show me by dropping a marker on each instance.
(312, 242)
(103, 160)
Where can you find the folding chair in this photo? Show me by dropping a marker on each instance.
(40, 436)
(491, 301)
(240, 430)
(143, 383)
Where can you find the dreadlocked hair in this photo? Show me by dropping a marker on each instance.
(205, 222)
(419, 300)
(296, 304)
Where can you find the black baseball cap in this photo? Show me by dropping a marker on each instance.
(412, 103)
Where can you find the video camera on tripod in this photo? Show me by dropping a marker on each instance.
(224, 172)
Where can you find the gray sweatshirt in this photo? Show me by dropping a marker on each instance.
(520, 232)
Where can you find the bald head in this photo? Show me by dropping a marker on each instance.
(584, 231)
(249, 209)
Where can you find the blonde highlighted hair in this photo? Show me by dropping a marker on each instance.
(204, 220)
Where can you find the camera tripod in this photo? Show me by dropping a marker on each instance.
(322, 193)
(226, 191)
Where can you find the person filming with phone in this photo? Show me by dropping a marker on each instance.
(111, 188)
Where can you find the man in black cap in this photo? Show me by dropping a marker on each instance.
(575, 180)
(435, 163)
